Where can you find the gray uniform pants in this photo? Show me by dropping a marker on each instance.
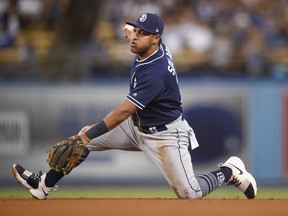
(168, 150)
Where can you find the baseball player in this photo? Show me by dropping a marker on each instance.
(149, 119)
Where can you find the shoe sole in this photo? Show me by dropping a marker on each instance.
(251, 190)
(15, 173)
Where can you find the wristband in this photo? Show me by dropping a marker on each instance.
(97, 130)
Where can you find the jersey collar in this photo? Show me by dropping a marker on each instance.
(152, 56)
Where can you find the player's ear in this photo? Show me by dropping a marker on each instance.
(156, 39)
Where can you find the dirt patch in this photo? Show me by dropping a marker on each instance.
(142, 207)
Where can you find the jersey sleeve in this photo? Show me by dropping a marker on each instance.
(147, 88)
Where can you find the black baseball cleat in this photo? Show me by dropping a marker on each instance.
(33, 182)
(240, 177)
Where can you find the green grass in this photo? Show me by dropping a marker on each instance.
(141, 192)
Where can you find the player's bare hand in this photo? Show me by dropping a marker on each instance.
(86, 128)
(127, 29)
(84, 138)
(82, 134)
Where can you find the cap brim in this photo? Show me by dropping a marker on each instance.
(141, 27)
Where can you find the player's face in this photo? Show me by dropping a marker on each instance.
(143, 43)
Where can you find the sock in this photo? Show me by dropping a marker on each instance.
(227, 172)
(222, 175)
(52, 177)
(208, 182)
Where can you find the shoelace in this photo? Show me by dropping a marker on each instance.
(36, 176)
(33, 180)
(235, 181)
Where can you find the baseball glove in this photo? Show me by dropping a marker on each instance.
(63, 156)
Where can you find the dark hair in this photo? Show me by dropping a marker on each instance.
(160, 41)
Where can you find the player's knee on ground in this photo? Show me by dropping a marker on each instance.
(188, 192)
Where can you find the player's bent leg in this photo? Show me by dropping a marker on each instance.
(35, 183)
(174, 162)
(173, 158)
(203, 184)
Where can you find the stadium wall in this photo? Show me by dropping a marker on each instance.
(246, 118)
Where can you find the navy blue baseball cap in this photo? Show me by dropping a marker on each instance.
(149, 22)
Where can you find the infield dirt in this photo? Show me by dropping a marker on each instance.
(142, 207)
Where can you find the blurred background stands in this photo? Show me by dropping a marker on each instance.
(70, 40)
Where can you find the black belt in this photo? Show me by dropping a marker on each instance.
(152, 130)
